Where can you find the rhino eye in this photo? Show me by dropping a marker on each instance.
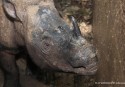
(60, 27)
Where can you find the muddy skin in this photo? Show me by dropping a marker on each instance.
(35, 27)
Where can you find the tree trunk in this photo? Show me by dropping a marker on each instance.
(109, 38)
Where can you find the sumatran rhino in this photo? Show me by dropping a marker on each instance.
(34, 26)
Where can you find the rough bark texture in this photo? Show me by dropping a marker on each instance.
(109, 38)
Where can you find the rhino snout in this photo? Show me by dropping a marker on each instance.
(85, 58)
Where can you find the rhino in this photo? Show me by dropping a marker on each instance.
(35, 27)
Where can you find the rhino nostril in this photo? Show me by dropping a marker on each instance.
(93, 59)
(96, 58)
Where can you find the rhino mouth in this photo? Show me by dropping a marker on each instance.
(89, 70)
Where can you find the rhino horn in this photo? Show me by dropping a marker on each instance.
(76, 29)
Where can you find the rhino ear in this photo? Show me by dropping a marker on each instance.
(10, 10)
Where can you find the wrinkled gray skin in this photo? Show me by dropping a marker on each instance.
(34, 26)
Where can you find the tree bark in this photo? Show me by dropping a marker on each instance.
(109, 38)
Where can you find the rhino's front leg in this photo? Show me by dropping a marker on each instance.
(11, 74)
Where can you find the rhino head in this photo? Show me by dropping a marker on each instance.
(50, 42)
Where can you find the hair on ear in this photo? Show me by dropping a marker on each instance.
(10, 10)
